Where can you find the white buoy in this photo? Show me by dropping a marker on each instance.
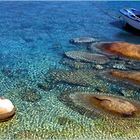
(7, 109)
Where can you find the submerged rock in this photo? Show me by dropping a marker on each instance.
(77, 77)
(113, 105)
(133, 76)
(76, 64)
(99, 67)
(30, 96)
(82, 40)
(87, 57)
(106, 104)
(96, 79)
(123, 49)
(7, 109)
(133, 65)
(119, 66)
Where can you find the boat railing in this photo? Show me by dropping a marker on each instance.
(132, 14)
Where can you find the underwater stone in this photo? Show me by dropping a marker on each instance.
(77, 77)
(106, 104)
(133, 76)
(7, 109)
(113, 105)
(82, 40)
(30, 96)
(119, 66)
(133, 65)
(100, 67)
(76, 64)
(127, 93)
(73, 64)
(123, 49)
(87, 57)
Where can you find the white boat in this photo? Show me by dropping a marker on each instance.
(131, 16)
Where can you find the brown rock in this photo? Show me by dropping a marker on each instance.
(106, 105)
(123, 49)
(113, 105)
(132, 76)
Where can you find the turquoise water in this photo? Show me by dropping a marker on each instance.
(33, 39)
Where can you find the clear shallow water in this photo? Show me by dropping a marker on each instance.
(33, 39)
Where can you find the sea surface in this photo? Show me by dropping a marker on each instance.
(34, 37)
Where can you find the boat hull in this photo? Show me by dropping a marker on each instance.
(131, 22)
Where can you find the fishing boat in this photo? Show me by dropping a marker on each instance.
(132, 17)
